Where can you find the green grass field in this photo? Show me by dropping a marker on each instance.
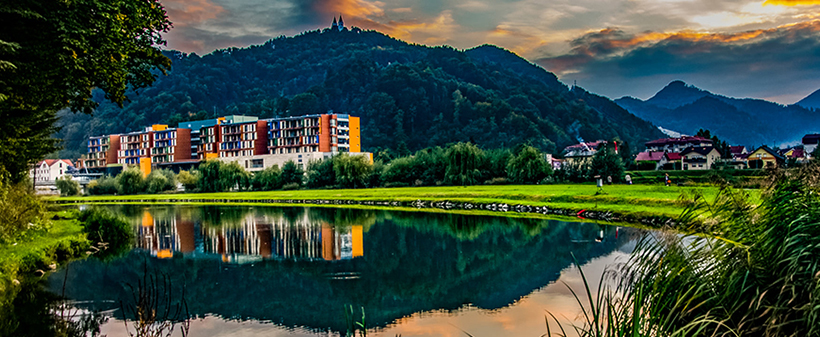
(623, 199)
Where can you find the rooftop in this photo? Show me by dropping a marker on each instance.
(680, 140)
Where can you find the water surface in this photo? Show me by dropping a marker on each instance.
(285, 271)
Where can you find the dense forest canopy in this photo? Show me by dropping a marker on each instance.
(409, 96)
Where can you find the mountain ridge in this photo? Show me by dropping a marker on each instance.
(409, 96)
(746, 121)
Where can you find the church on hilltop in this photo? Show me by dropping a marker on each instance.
(340, 26)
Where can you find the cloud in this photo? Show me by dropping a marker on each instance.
(792, 2)
(187, 12)
(757, 63)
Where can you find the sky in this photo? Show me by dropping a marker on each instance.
(767, 49)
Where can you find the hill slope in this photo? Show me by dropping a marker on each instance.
(811, 101)
(409, 96)
(750, 122)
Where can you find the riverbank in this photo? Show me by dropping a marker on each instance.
(39, 253)
(63, 241)
(615, 203)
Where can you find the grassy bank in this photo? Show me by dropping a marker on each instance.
(636, 200)
(63, 241)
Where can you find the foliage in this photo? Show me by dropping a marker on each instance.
(351, 171)
(209, 176)
(747, 271)
(189, 179)
(20, 210)
(55, 53)
(67, 186)
(463, 163)
(409, 96)
(606, 163)
(291, 174)
(103, 226)
(105, 185)
(160, 180)
(267, 179)
(130, 181)
(528, 166)
(320, 173)
(291, 186)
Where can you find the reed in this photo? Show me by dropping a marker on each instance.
(747, 271)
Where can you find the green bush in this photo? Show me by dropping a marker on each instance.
(103, 186)
(290, 186)
(292, 174)
(130, 181)
(20, 211)
(160, 181)
(103, 226)
(528, 166)
(267, 179)
(189, 180)
(67, 186)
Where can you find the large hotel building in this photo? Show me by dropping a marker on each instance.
(253, 143)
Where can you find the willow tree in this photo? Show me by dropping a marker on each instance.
(55, 52)
(528, 166)
(464, 162)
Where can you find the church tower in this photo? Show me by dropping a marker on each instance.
(334, 26)
(341, 23)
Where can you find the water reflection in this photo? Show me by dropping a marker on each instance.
(309, 263)
(249, 237)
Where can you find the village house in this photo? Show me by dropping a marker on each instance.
(810, 144)
(677, 145)
(582, 152)
(699, 157)
(765, 157)
(50, 169)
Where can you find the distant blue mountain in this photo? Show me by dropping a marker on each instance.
(811, 101)
(745, 121)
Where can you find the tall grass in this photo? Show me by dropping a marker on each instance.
(749, 271)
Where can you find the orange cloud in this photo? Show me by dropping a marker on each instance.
(350, 8)
(186, 12)
(792, 2)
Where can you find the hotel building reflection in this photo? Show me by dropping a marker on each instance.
(256, 237)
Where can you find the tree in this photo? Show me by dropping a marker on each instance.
(528, 166)
(188, 179)
(209, 176)
(291, 174)
(130, 181)
(267, 179)
(67, 186)
(320, 173)
(463, 163)
(606, 163)
(55, 52)
(351, 171)
(159, 181)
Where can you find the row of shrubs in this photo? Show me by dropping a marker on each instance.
(458, 164)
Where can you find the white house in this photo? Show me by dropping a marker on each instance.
(50, 170)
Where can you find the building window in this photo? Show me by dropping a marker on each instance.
(257, 163)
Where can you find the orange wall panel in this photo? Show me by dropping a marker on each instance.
(355, 135)
(324, 134)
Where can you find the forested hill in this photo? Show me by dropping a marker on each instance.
(408, 96)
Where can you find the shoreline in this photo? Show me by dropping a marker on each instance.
(645, 205)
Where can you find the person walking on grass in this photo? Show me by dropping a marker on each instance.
(667, 180)
(628, 180)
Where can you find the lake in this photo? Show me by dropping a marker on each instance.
(301, 271)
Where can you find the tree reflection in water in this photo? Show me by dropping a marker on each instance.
(299, 267)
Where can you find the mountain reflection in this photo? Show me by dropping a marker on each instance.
(310, 263)
(252, 237)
